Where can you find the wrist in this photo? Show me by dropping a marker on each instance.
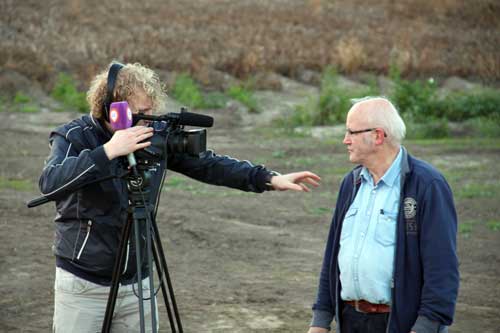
(268, 179)
(108, 151)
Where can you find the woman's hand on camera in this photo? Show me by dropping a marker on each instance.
(124, 142)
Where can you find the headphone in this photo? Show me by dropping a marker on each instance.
(112, 75)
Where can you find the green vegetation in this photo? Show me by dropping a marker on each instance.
(215, 100)
(320, 211)
(414, 99)
(430, 115)
(426, 113)
(244, 94)
(463, 106)
(465, 228)
(187, 92)
(438, 128)
(23, 103)
(15, 184)
(21, 98)
(3, 102)
(330, 107)
(477, 190)
(66, 92)
(493, 225)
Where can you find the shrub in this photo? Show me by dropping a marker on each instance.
(186, 91)
(244, 94)
(484, 127)
(416, 100)
(23, 103)
(3, 101)
(21, 98)
(65, 91)
(431, 129)
(331, 106)
(463, 106)
(215, 100)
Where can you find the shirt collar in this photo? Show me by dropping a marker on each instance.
(390, 176)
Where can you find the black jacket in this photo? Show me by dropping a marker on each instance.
(89, 219)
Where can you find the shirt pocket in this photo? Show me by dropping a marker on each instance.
(385, 233)
(348, 224)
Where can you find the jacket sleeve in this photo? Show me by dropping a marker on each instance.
(439, 258)
(67, 168)
(221, 170)
(324, 307)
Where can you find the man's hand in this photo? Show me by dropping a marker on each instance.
(127, 141)
(295, 181)
(317, 330)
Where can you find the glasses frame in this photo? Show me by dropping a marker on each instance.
(351, 132)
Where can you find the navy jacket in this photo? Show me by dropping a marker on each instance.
(89, 220)
(426, 278)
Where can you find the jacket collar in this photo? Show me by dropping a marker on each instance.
(101, 129)
(405, 170)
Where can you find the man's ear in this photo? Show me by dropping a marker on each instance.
(381, 136)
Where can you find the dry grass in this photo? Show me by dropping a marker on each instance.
(427, 37)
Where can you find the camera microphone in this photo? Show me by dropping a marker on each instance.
(193, 119)
(183, 118)
(120, 117)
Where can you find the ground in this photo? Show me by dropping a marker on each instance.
(241, 262)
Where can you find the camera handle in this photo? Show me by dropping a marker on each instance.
(140, 215)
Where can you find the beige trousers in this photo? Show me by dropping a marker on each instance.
(80, 305)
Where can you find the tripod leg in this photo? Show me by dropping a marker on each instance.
(163, 289)
(139, 274)
(166, 275)
(113, 291)
(152, 296)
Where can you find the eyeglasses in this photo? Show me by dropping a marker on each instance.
(351, 132)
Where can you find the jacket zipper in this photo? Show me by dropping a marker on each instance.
(393, 291)
(89, 225)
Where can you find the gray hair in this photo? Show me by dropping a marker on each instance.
(382, 113)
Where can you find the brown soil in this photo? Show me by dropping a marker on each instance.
(239, 262)
(429, 37)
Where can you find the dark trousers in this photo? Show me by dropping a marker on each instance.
(358, 322)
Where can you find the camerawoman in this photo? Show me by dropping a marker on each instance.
(90, 213)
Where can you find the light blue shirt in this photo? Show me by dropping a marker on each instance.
(367, 241)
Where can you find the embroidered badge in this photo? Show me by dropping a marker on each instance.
(410, 208)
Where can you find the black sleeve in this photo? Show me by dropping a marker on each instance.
(221, 170)
(68, 168)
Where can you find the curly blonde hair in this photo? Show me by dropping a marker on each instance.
(129, 79)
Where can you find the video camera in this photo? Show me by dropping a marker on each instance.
(170, 137)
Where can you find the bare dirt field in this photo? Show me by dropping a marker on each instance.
(243, 262)
(240, 262)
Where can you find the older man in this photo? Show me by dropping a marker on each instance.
(390, 262)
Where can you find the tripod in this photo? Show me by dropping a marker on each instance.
(140, 216)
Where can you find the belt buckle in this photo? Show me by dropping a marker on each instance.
(356, 306)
